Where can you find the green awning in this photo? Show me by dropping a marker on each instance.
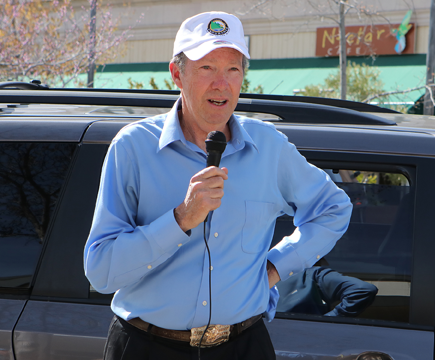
(286, 81)
(284, 76)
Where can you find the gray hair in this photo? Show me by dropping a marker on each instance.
(180, 61)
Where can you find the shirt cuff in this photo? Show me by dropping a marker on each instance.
(166, 233)
(270, 312)
(287, 264)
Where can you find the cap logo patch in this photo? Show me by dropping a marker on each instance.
(217, 27)
(220, 42)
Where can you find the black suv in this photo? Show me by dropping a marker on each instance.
(52, 146)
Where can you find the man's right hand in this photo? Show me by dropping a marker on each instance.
(206, 189)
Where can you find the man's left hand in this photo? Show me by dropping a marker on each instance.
(272, 274)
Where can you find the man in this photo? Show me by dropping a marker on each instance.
(320, 290)
(147, 238)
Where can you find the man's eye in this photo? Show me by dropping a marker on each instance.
(206, 67)
(234, 69)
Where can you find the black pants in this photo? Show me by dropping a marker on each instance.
(126, 342)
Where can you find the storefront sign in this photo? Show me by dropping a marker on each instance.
(366, 40)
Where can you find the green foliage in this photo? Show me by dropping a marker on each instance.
(246, 86)
(362, 81)
(170, 85)
(134, 84)
(381, 178)
(153, 84)
(393, 179)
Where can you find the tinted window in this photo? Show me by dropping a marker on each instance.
(31, 177)
(377, 245)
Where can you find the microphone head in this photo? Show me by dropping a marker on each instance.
(216, 141)
(216, 136)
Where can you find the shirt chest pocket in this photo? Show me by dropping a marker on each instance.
(256, 233)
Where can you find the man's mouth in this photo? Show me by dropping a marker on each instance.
(218, 102)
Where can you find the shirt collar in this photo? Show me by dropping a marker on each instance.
(172, 131)
(239, 135)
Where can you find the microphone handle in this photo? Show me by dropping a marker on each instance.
(213, 158)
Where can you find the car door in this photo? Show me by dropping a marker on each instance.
(64, 318)
(59, 321)
(383, 246)
(31, 178)
(36, 160)
(10, 310)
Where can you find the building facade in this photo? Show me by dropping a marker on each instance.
(281, 35)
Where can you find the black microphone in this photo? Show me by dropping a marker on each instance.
(215, 145)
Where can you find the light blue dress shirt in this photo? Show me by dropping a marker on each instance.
(160, 273)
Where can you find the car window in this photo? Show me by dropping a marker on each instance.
(377, 246)
(31, 178)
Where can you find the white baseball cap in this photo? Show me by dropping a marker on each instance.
(209, 31)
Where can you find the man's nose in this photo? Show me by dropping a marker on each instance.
(220, 82)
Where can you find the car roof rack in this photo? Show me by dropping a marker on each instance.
(287, 111)
(347, 104)
(32, 85)
(307, 113)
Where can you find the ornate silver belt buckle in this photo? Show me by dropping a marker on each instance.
(215, 335)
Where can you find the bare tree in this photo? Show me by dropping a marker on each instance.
(429, 89)
(363, 81)
(48, 40)
(333, 10)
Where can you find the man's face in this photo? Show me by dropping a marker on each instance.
(210, 88)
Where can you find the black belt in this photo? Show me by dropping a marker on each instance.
(184, 335)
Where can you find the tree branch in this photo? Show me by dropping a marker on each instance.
(255, 7)
(387, 93)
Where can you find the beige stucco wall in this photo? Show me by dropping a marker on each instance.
(422, 39)
(139, 51)
(277, 46)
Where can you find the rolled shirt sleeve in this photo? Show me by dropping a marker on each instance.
(321, 213)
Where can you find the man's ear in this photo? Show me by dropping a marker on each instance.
(175, 73)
